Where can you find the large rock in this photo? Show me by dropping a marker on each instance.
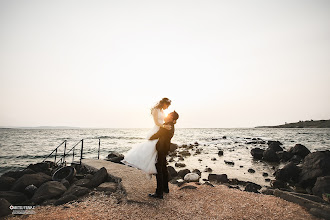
(197, 171)
(284, 156)
(315, 165)
(252, 187)
(289, 172)
(183, 172)
(6, 183)
(28, 179)
(65, 199)
(43, 167)
(191, 177)
(274, 142)
(77, 191)
(108, 187)
(257, 153)
(173, 147)
(221, 178)
(322, 186)
(99, 177)
(17, 174)
(4, 207)
(275, 146)
(180, 164)
(82, 182)
(172, 172)
(13, 197)
(270, 155)
(48, 190)
(300, 150)
(115, 157)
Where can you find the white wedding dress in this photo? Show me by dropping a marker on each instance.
(143, 156)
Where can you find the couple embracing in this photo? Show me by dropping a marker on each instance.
(150, 156)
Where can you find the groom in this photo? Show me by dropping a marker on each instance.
(164, 137)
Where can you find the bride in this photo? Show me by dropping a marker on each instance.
(143, 156)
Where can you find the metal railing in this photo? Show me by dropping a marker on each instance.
(62, 160)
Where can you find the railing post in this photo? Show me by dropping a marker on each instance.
(98, 153)
(81, 151)
(55, 155)
(64, 152)
(73, 154)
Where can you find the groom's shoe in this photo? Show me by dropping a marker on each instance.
(154, 195)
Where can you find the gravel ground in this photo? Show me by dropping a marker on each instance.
(205, 202)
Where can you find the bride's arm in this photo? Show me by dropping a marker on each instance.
(155, 116)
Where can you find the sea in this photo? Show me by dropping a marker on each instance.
(21, 147)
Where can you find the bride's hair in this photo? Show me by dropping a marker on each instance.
(160, 104)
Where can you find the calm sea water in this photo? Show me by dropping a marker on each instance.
(20, 147)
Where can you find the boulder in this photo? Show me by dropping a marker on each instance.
(322, 186)
(183, 172)
(115, 157)
(4, 207)
(180, 164)
(284, 156)
(6, 183)
(257, 153)
(13, 197)
(197, 171)
(43, 167)
(315, 165)
(48, 190)
(172, 172)
(173, 147)
(65, 183)
(289, 172)
(77, 191)
(65, 199)
(296, 159)
(221, 178)
(17, 174)
(277, 184)
(30, 190)
(270, 155)
(252, 187)
(300, 150)
(99, 177)
(88, 176)
(274, 142)
(107, 187)
(275, 146)
(191, 177)
(28, 179)
(82, 182)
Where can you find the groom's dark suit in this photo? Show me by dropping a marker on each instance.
(163, 147)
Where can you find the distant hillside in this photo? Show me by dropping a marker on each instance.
(302, 124)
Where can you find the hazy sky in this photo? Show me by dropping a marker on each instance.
(106, 63)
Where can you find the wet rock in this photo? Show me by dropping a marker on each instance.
(213, 159)
(200, 160)
(264, 174)
(77, 191)
(229, 162)
(275, 146)
(289, 173)
(300, 150)
(268, 192)
(252, 187)
(185, 153)
(284, 156)
(224, 137)
(208, 169)
(173, 147)
(107, 187)
(28, 179)
(65, 199)
(183, 172)
(4, 207)
(274, 142)
(221, 178)
(115, 157)
(172, 172)
(267, 180)
(191, 177)
(315, 165)
(6, 182)
(251, 170)
(65, 183)
(180, 164)
(296, 159)
(241, 166)
(322, 186)
(17, 174)
(99, 177)
(257, 153)
(48, 190)
(188, 187)
(30, 190)
(197, 171)
(82, 182)
(171, 160)
(270, 155)
(13, 197)
(88, 176)
(43, 167)
(196, 143)
(277, 184)
(220, 152)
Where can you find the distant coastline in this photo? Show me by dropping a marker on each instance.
(302, 124)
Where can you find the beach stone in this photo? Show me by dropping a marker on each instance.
(30, 190)
(257, 153)
(200, 160)
(208, 169)
(28, 179)
(220, 152)
(267, 180)
(322, 186)
(270, 155)
(185, 153)
(222, 178)
(264, 174)
(197, 171)
(213, 159)
(17, 174)
(284, 155)
(180, 164)
(99, 177)
(173, 147)
(77, 191)
(315, 165)
(89, 176)
(274, 142)
(183, 172)
(65, 183)
(268, 191)
(172, 172)
(115, 157)
(47, 191)
(300, 150)
(191, 177)
(6, 183)
(275, 146)
(43, 167)
(229, 162)
(4, 207)
(65, 199)
(107, 187)
(296, 159)
(252, 187)
(13, 197)
(82, 182)
(277, 184)
(196, 143)
(289, 172)
(251, 170)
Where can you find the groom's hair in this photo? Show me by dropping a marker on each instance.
(175, 115)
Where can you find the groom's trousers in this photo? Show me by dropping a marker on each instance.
(162, 174)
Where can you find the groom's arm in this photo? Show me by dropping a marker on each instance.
(159, 133)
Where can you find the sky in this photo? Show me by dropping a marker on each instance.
(224, 64)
